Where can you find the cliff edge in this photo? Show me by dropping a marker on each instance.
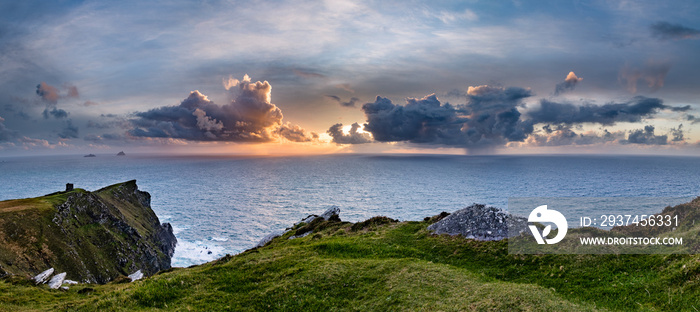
(92, 236)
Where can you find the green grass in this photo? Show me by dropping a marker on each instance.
(83, 238)
(386, 266)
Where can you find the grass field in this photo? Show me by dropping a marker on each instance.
(388, 266)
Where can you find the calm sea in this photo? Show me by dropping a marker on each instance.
(220, 205)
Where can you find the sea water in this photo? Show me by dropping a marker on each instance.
(224, 205)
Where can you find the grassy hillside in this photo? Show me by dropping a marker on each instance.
(381, 265)
(93, 236)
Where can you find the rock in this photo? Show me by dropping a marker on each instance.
(268, 238)
(307, 219)
(326, 215)
(64, 287)
(70, 282)
(57, 280)
(330, 212)
(136, 276)
(43, 276)
(480, 222)
(300, 236)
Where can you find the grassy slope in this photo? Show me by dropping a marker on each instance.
(31, 242)
(396, 266)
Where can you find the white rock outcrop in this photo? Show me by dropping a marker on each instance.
(43, 276)
(57, 280)
(330, 212)
(136, 276)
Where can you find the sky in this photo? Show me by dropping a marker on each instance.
(317, 77)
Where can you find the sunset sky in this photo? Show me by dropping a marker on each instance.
(277, 77)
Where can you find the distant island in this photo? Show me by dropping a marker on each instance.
(90, 155)
(121, 153)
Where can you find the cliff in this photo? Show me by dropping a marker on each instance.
(93, 236)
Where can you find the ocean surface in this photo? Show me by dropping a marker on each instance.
(224, 205)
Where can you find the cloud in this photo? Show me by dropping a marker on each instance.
(568, 85)
(6, 134)
(646, 136)
(47, 93)
(565, 135)
(692, 118)
(69, 131)
(295, 133)
(106, 136)
(353, 136)
(51, 94)
(92, 138)
(55, 112)
(667, 31)
(308, 74)
(250, 117)
(231, 82)
(634, 110)
(350, 103)
(490, 117)
(677, 134)
(653, 72)
(207, 123)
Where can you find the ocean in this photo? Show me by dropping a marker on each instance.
(224, 205)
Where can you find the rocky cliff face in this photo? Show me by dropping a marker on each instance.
(93, 236)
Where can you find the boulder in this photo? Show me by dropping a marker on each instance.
(43, 276)
(480, 223)
(330, 212)
(268, 238)
(136, 276)
(57, 280)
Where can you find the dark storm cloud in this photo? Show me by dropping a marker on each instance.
(337, 99)
(55, 112)
(250, 117)
(568, 85)
(490, 117)
(667, 31)
(608, 114)
(646, 136)
(69, 131)
(353, 137)
(677, 134)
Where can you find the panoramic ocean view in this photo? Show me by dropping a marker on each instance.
(224, 205)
